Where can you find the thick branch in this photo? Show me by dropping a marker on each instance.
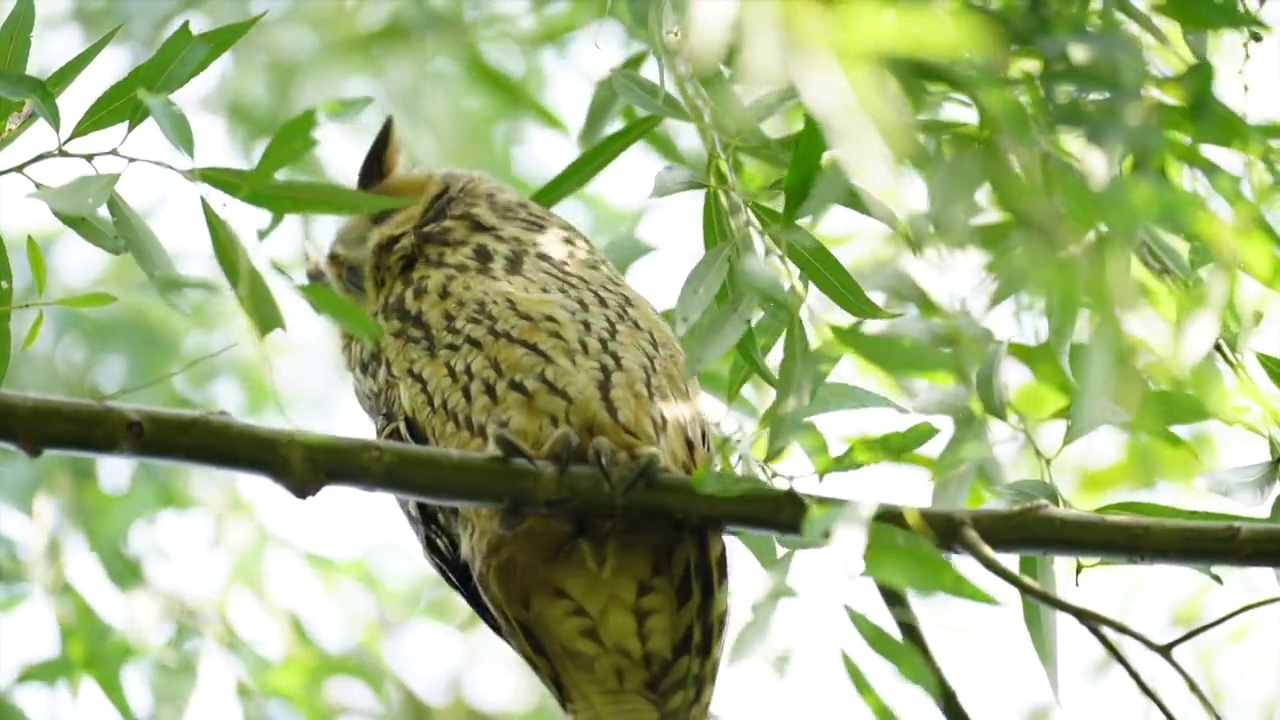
(305, 462)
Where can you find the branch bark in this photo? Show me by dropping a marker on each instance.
(305, 462)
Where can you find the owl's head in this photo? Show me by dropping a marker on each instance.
(347, 266)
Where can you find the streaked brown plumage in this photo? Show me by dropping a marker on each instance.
(505, 330)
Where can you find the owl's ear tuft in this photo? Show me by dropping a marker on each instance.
(381, 160)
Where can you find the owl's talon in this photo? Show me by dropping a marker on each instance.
(505, 445)
(560, 449)
(624, 470)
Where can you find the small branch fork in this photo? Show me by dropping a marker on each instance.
(1096, 623)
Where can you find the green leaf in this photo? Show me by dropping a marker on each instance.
(62, 78)
(834, 397)
(889, 447)
(292, 141)
(647, 96)
(905, 561)
(173, 124)
(35, 261)
(350, 316)
(592, 160)
(1022, 492)
(674, 179)
(15, 46)
(907, 658)
(624, 251)
(6, 301)
(1208, 14)
(806, 161)
(515, 92)
(218, 41)
(715, 333)
(1249, 484)
(250, 287)
(867, 692)
(794, 390)
(94, 229)
(295, 196)
(604, 102)
(1040, 619)
(700, 288)
(1156, 510)
(34, 330)
(819, 266)
(80, 197)
(86, 300)
(167, 70)
(989, 386)
(343, 109)
(1271, 366)
(141, 240)
(17, 86)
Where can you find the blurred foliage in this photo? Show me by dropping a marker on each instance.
(1115, 214)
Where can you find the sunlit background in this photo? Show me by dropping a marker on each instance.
(236, 591)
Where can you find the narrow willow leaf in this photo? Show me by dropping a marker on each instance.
(819, 266)
(989, 386)
(867, 692)
(295, 196)
(1156, 510)
(218, 41)
(715, 333)
(907, 658)
(794, 390)
(34, 331)
(80, 197)
(592, 160)
(905, 561)
(248, 284)
(1042, 620)
(647, 96)
(86, 300)
(674, 179)
(624, 251)
(1271, 366)
(35, 261)
(343, 109)
(517, 93)
(290, 143)
(141, 240)
(806, 161)
(6, 316)
(173, 124)
(21, 87)
(604, 102)
(163, 73)
(700, 288)
(62, 78)
(889, 447)
(15, 46)
(94, 229)
(1022, 492)
(834, 397)
(350, 316)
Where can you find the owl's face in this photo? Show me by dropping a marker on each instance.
(346, 267)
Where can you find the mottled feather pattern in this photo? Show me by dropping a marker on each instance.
(500, 316)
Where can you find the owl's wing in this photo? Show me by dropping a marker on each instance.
(435, 526)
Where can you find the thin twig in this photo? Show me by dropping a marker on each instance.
(909, 626)
(1114, 651)
(1196, 632)
(166, 376)
(972, 542)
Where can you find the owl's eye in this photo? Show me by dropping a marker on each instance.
(353, 279)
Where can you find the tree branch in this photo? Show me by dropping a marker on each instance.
(305, 462)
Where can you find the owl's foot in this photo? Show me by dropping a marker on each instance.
(624, 470)
(559, 449)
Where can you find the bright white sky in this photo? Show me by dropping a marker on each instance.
(985, 650)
